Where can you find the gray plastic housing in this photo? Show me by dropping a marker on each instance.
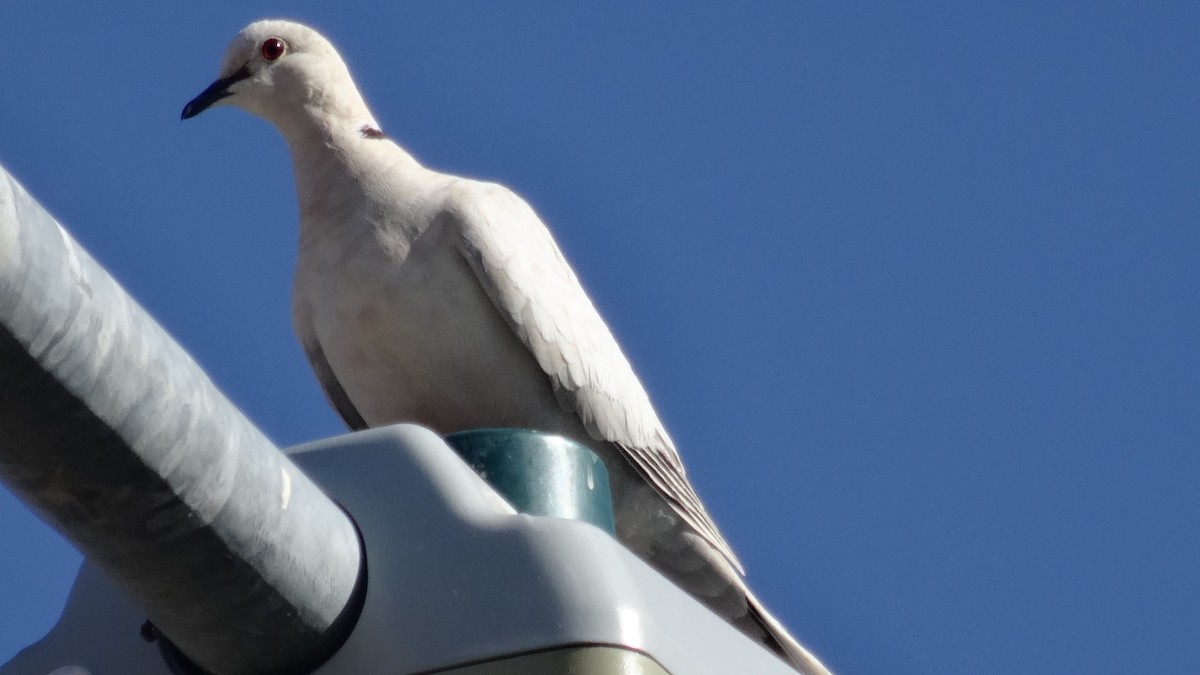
(454, 576)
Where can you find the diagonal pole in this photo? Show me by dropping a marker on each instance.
(118, 440)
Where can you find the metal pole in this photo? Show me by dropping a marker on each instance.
(114, 435)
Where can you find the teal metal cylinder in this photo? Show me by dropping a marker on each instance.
(540, 474)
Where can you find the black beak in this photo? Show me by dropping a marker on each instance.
(215, 92)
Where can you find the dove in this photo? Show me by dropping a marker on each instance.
(445, 301)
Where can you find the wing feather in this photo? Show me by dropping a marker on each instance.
(330, 384)
(525, 274)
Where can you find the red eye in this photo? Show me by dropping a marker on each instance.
(272, 48)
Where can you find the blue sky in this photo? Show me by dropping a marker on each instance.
(914, 285)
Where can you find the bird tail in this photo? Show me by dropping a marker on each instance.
(780, 641)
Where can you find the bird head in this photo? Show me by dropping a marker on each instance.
(281, 70)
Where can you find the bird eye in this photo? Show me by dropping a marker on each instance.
(272, 48)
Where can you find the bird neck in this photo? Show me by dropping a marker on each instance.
(334, 164)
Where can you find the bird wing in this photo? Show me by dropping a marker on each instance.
(329, 382)
(521, 268)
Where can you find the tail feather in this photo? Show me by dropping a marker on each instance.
(779, 640)
(701, 570)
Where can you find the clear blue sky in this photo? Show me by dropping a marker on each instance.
(914, 285)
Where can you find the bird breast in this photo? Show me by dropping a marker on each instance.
(411, 335)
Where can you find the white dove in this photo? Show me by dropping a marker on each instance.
(429, 298)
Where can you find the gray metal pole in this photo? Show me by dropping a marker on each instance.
(121, 442)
